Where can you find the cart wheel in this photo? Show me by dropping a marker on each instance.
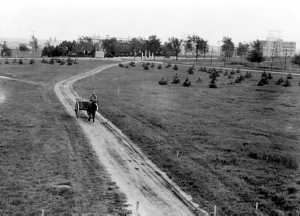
(76, 109)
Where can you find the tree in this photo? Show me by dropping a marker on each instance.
(242, 49)
(188, 47)
(154, 44)
(175, 46)
(256, 54)
(203, 47)
(109, 45)
(5, 50)
(227, 47)
(34, 45)
(23, 48)
(166, 50)
(296, 59)
(135, 45)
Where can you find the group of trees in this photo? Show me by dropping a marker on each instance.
(84, 46)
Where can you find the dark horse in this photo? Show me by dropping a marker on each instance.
(91, 110)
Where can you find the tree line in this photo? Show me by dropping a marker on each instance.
(193, 45)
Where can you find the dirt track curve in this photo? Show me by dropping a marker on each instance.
(135, 175)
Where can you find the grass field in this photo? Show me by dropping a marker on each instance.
(45, 161)
(237, 144)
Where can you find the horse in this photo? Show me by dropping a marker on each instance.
(91, 110)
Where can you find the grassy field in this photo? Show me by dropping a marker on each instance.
(237, 144)
(45, 161)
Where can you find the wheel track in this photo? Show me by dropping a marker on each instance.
(133, 172)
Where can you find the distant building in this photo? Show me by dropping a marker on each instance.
(275, 46)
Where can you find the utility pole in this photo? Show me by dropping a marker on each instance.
(285, 59)
(212, 49)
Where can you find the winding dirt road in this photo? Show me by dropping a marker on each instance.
(135, 175)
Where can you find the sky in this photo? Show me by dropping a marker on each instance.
(241, 20)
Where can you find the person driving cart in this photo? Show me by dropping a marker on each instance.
(93, 97)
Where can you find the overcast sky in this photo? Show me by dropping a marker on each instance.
(242, 20)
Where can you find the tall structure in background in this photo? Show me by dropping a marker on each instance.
(275, 46)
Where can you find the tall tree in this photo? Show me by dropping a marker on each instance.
(242, 49)
(109, 45)
(135, 45)
(188, 47)
(23, 48)
(166, 50)
(5, 50)
(256, 54)
(227, 47)
(296, 59)
(34, 45)
(175, 46)
(154, 44)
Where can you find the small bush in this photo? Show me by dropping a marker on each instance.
(75, 61)
(168, 65)
(31, 61)
(230, 76)
(264, 74)
(289, 76)
(152, 65)
(269, 76)
(186, 83)
(127, 66)
(62, 62)
(199, 80)
(176, 80)
(162, 81)
(6, 62)
(212, 83)
(263, 81)
(146, 67)
(279, 81)
(132, 64)
(15, 61)
(190, 70)
(226, 73)
(121, 65)
(51, 61)
(159, 66)
(287, 83)
(20, 62)
(69, 61)
(148, 63)
(238, 70)
(143, 65)
(175, 67)
(232, 72)
(248, 74)
(58, 61)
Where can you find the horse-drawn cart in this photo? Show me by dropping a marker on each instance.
(90, 106)
(81, 105)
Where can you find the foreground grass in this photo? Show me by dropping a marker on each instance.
(238, 144)
(45, 161)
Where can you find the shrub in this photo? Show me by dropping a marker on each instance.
(146, 67)
(175, 67)
(230, 76)
(162, 81)
(57, 60)
(204, 69)
(238, 70)
(176, 80)
(212, 83)
(289, 76)
(168, 65)
(159, 66)
(62, 62)
(44, 61)
(20, 61)
(200, 69)
(248, 74)
(263, 81)
(51, 61)
(269, 76)
(264, 74)
(121, 65)
(148, 63)
(143, 65)
(186, 83)
(152, 65)
(190, 70)
(31, 61)
(69, 61)
(287, 83)
(226, 73)
(6, 62)
(199, 80)
(132, 64)
(127, 66)
(232, 72)
(239, 79)
(278, 82)
(75, 61)
(15, 61)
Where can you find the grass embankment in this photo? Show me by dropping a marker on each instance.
(45, 160)
(238, 144)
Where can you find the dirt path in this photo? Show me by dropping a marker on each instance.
(136, 176)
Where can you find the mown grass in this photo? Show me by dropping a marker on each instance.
(45, 160)
(238, 144)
